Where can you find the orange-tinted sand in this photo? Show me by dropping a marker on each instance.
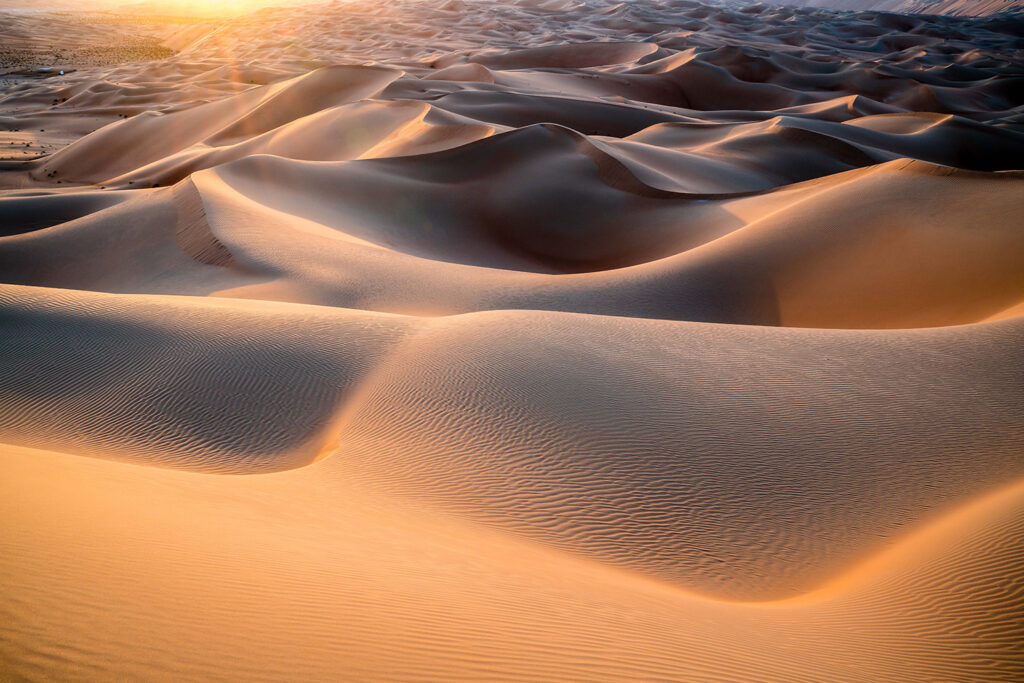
(561, 340)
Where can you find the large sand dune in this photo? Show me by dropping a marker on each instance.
(512, 341)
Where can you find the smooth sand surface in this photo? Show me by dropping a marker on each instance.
(522, 340)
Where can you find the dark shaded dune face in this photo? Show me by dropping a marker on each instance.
(25, 214)
(485, 204)
(159, 382)
(594, 118)
(576, 56)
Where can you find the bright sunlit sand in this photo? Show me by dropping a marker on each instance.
(541, 340)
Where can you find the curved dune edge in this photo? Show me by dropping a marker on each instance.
(570, 165)
(687, 456)
(683, 458)
(766, 258)
(319, 235)
(428, 581)
(207, 384)
(929, 550)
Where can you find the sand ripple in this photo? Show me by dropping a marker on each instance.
(541, 340)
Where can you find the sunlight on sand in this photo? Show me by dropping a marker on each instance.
(561, 340)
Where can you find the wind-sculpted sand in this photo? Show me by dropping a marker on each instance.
(514, 341)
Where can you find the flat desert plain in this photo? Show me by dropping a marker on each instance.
(533, 340)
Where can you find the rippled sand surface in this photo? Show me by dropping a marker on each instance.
(512, 341)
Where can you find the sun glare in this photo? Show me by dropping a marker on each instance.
(212, 7)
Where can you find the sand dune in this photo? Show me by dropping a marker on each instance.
(533, 340)
(968, 8)
(208, 388)
(300, 575)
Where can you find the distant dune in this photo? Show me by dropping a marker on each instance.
(959, 8)
(532, 340)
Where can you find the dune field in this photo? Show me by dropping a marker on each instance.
(539, 340)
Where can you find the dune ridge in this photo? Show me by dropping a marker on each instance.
(531, 340)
